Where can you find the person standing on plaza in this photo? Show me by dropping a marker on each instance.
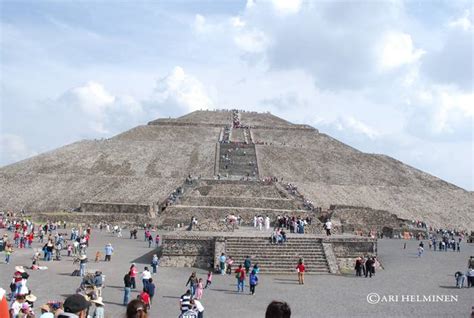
(109, 250)
(222, 260)
(150, 289)
(154, 263)
(127, 281)
(192, 282)
(157, 240)
(240, 276)
(196, 304)
(199, 289)
(358, 266)
(82, 264)
(99, 311)
(133, 275)
(253, 281)
(300, 269)
(145, 276)
(369, 267)
(185, 301)
(209, 279)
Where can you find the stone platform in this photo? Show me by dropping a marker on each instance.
(322, 254)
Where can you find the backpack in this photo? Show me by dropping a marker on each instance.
(238, 274)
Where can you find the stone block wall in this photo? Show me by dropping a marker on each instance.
(97, 207)
(189, 251)
(346, 250)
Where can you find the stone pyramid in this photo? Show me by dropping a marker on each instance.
(143, 165)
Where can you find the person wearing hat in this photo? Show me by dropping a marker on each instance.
(82, 264)
(75, 306)
(30, 299)
(99, 308)
(46, 312)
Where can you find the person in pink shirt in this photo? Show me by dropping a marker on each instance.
(133, 276)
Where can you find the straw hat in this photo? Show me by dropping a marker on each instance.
(45, 307)
(98, 301)
(31, 298)
(19, 269)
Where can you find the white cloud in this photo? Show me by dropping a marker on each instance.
(397, 49)
(285, 7)
(237, 22)
(13, 148)
(464, 22)
(199, 23)
(252, 41)
(183, 89)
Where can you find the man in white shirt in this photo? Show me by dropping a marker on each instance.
(328, 227)
(198, 307)
(146, 275)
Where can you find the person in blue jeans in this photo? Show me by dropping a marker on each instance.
(127, 281)
(240, 275)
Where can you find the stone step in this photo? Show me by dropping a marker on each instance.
(251, 202)
(287, 254)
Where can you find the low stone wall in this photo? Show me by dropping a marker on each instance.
(106, 207)
(187, 251)
(92, 218)
(346, 250)
(262, 203)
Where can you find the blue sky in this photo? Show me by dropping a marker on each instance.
(392, 77)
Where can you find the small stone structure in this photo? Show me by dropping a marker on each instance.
(204, 251)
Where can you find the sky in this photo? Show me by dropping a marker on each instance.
(392, 77)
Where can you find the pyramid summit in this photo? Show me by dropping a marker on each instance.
(138, 170)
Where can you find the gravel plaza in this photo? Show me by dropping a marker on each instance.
(408, 286)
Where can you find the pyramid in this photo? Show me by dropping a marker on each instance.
(143, 165)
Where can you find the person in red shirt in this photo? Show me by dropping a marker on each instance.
(300, 268)
(145, 297)
(240, 275)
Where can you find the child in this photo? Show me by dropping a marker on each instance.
(199, 289)
(145, 298)
(209, 279)
(69, 249)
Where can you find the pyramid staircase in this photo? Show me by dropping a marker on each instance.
(278, 258)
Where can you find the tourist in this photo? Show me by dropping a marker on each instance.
(154, 263)
(199, 289)
(229, 263)
(145, 276)
(15, 307)
(247, 264)
(370, 267)
(278, 309)
(358, 266)
(99, 282)
(109, 250)
(145, 298)
(127, 281)
(136, 309)
(150, 240)
(253, 281)
(76, 305)
(328, 227)
(300, 269)
(82, 265)
(8, 253)
(157, 240)
(99, 311)
(267, 223)
(197, 305)
(420, 250)
(133, 276)
(185, 302)
(470, 277)
(222, 260)
(192, 282)
(460, 277)
(150, 289)
(209, 279)
(240, 275)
